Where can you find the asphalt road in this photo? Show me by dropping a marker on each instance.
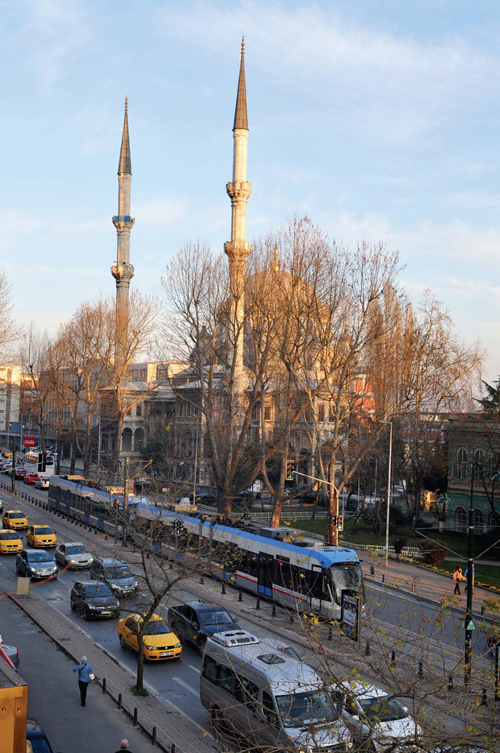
(54, 698)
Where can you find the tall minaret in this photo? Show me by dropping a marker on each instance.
(237, 249)
(123, 270)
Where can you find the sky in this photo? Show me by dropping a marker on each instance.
(378, 120)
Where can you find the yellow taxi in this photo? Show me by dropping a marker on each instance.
(10, 542)
(159, 641)
(41, 535)
(14, 519)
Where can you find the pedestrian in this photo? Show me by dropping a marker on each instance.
(85, 675)
(473, 577)
(124, 746)
(457, 577)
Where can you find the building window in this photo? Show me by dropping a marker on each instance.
(126, 440)
(138, 410)
(128, 411)
(479, 459)
(461, 463)
(460, 519)
(478, 522)
(267, 413)
(321, 412)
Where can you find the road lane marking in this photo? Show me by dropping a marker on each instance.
(196, 669)
(185, 685)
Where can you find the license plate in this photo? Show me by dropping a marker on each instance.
(166, 653)
(105, 611)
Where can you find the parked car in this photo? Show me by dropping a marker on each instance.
(11, 651)
(117, 575)
(73, 555)
(36, 564)
(15, 519)
(31, 478)
(36, 739)
(159, 640)
(41, 536)
(198, 620)
(10, 542)
(1, 504)
(94, 599)
(370, 712)
(42, 483)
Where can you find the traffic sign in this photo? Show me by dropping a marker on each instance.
(30, 441)
(470, 625)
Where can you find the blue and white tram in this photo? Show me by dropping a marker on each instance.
(94, 507)
(305, 575)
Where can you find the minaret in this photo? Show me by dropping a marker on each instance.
(237, 249)
(122, 270)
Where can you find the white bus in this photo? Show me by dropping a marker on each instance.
(31, 460)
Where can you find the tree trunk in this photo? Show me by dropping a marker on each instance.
(276, 516)
(226, 504)
(139, 682)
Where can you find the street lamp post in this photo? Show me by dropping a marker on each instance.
(470, 564)
(389, 489)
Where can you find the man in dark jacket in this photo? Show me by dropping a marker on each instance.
(84, 670)
(124, 746)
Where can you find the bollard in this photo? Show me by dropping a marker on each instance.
(450, 684)
(104, 685)
(420, 669)
(223, 589)
(153, 736)
(291, 618)
(482, 610)
(135, 717)
(240, 595)
(372, 570)
(273, 613)
(330, 633)
(172, 749)
(106, 537)
(484, 698)
(171, 567)
(393, 657)
(257, 606)
(119, 700)
(367, 649)
(383, 577)
(95, 533)
(147, 555)
(202, 579)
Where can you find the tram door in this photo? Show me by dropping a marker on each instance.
(265, 581)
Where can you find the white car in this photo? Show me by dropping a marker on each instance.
(74, 555)
(42, 483)
(372, 713)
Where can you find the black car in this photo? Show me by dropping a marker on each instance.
(197, 620)
(94, 599)
(37, 738)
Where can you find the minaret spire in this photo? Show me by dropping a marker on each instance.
(237, 249)
(122, 270)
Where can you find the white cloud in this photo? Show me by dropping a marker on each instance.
(54, 33)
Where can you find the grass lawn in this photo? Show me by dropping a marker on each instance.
(488, 575)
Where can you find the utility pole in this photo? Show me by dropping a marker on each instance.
(13, 479)
(126, 480)
(469, 623)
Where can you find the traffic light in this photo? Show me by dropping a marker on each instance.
(338, 522)
(290, 470)
(41, 462)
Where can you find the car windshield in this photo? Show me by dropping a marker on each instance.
(118, 571)
(75, 549)
(16, 515)
(157, 627)
(382, 709)
(304, 709)
(37, 745)
(9, 535)
(39, 557)
(215, 617)
(43, 531)
(97, 590)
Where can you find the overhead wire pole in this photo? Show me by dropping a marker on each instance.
(469, 623)
(389, 489)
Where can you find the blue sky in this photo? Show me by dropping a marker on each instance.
(379, 120)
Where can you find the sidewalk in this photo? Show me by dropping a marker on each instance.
(159, 719)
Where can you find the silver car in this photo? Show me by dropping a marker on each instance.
(11, 651)
(74, 556)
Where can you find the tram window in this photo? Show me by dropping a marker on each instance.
(252, 564)
(283, 574)
(299, 579)
(316, 584)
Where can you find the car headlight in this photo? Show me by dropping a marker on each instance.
(151, 648)
(73, 562)
(178, 645)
